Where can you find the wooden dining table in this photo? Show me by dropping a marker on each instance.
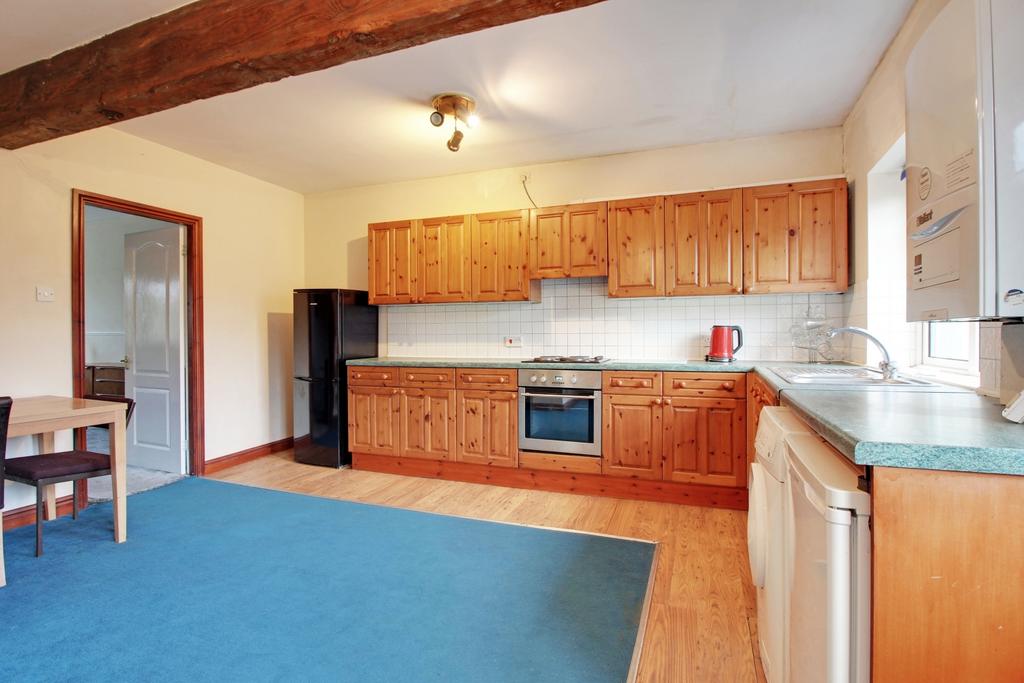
(44, 416)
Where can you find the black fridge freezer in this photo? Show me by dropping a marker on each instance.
(331, 326)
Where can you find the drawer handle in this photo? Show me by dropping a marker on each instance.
(426, 378)
(679, 384)
(631, 383)
(728, 386)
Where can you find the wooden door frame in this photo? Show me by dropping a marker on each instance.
(194, 313)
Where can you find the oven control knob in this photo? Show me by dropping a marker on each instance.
(533, 378)
(543, 378)
(573, 379)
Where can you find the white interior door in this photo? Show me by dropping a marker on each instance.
(154, 343)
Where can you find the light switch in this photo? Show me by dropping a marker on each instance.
(45, 294)
(513, 342)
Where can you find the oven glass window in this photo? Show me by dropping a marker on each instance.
(560, 417)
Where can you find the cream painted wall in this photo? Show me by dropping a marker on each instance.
(253, 258)
(874, 125)
(336, 221)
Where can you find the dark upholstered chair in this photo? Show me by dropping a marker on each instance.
(54, 468)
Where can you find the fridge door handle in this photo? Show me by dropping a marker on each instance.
(304, 379)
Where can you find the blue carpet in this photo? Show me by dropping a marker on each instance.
(225, 582)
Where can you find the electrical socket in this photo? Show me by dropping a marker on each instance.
(45, 294)
(514, 342)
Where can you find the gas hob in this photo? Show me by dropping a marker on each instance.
(590, 360)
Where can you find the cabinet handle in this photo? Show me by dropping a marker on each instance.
(668, 401)
(469, 378)
(503, 380)
(657, 401)
(728, 386)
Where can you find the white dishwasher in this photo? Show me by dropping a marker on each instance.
(766, 541)
(828, 565)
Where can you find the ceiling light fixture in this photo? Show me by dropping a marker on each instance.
(460, 108)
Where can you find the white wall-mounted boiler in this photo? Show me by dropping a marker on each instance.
(965, 164)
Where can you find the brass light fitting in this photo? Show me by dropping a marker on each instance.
(460, 108)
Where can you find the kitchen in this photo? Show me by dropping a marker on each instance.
(620, 324)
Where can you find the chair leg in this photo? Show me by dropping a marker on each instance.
(74, 499)
(39, 521)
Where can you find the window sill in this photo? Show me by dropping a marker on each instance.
(958, 379)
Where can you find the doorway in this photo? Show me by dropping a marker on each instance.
(137, 330)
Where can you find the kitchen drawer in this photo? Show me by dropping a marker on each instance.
(365, 376)
(485, 378)
(630, 382)
(109, 373)
(442, 378)
(708, 385)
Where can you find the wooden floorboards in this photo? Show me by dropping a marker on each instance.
(702, 619)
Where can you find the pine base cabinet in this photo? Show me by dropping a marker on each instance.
(427, 425)
(373, 419)
(631, 436)
(705, 441)
(488, 427)
(693, 431)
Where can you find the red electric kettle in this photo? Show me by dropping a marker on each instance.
(722, 350)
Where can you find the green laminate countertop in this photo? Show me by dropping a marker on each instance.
(663, 365)
(762, 367)
(935, 431)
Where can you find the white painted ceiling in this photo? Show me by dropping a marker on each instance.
(31, 30)
(618, 76)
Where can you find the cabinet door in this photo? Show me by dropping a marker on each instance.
(588, 239)
(445, 259)
(705, 441)
(821, 253)
(373, 420)
(549, 243)
(427, 427)
(636, 249)
(795, 237)
(501, 254)
(393, 258)
(704, 243)
(759, 395)
(632, 436)
(569, 241)
(488, 427)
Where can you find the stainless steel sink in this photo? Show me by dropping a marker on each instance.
(833, 375)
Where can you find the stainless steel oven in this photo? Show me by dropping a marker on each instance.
(560, 411)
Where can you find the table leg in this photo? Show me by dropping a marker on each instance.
(3, 573)
(118, 476)
(49, 492)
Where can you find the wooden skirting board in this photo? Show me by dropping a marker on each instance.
(25, 516)
(232, 459)
(551, 480)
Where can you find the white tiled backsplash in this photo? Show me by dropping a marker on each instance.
(577, 317)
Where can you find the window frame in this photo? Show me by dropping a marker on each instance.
(966, 372)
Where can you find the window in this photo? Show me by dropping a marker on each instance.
(950, 347)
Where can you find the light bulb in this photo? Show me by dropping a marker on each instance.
(473, 121)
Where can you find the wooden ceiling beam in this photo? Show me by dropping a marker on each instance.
(213, 47)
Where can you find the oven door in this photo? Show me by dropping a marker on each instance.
(560, 421)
